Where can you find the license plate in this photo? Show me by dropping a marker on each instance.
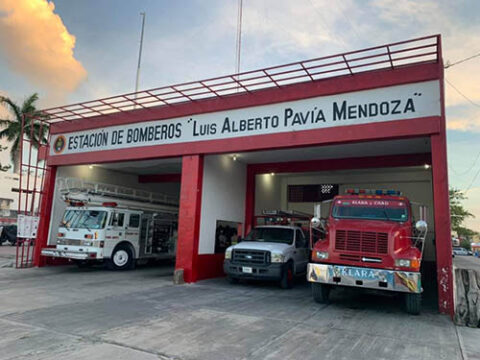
(355, 273)
(246, 269)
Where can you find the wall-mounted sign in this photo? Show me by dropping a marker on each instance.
(401, 102)
(27, 226)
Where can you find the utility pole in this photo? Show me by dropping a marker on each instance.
(142, 14)
(239, 36)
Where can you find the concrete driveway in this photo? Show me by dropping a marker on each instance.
(64, 312)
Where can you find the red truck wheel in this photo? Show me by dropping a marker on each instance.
(413, 303)
(320, 293)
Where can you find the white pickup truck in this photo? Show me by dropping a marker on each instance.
(269, 252)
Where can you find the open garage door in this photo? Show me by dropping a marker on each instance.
(117, 213)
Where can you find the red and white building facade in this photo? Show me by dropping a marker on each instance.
(359, 111)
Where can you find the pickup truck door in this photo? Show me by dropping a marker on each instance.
(301, 252)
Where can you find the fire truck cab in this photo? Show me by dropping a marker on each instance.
(369, 240)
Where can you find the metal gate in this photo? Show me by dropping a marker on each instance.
(33, 149)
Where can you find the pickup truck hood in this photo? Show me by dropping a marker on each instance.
(260, 245)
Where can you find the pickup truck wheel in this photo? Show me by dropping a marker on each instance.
(320, 293)
(232, 280)
(413, 303)
(287, 277)
(122, 258)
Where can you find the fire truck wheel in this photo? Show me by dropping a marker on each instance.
(320, 293)
(122, 258)
(286, 282)
(413, 303)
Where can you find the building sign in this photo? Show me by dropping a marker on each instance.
(400, 102)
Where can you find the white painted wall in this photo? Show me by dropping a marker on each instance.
(415, 183)
(223, 197)
(101, 175)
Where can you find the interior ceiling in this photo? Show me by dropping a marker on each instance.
(365, 149)
(146, 167)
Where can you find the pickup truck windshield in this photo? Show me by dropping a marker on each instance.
(370, 209)
(277, 235)
(84, 219)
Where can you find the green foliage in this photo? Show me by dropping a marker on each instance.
(465, 244)
(458, 213)
(11, 129)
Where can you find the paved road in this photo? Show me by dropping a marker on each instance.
(467, 262)
(7, 255)
(67, 313)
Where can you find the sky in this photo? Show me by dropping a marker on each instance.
(70, 51)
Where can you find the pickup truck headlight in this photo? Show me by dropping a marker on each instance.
(228, 254)
(87, 243)
(322, 255)
(278, 258)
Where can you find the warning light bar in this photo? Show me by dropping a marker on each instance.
(110, 204)
(373, 192)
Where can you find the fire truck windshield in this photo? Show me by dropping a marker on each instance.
(271, 234)
(84, 219)
(370, 209)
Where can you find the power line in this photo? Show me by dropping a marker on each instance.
(465, 96)
(461, 61)
(473, 180)
(471, 167)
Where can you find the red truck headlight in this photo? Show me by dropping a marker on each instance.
(408, 263)
(321, 255)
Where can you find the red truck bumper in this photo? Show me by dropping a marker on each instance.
(362, 277)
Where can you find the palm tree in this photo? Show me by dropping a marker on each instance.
(11, 129)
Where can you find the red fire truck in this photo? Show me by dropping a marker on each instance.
(369, 240)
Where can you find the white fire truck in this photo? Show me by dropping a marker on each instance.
(114, 225)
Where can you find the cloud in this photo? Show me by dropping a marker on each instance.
(466, 120)
(36, 44)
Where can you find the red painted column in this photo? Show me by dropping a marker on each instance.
(249, 200)
(443, 241)
(441, 203)
(45, 215)
(189, 216)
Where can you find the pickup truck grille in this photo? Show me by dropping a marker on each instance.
(361, 241)
(250, 257)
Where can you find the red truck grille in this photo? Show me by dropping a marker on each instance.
(361, 241)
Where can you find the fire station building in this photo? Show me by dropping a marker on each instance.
(231, 147)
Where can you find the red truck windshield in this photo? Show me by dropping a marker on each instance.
(370, 209)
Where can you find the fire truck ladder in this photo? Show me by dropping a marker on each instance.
(74, 189)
